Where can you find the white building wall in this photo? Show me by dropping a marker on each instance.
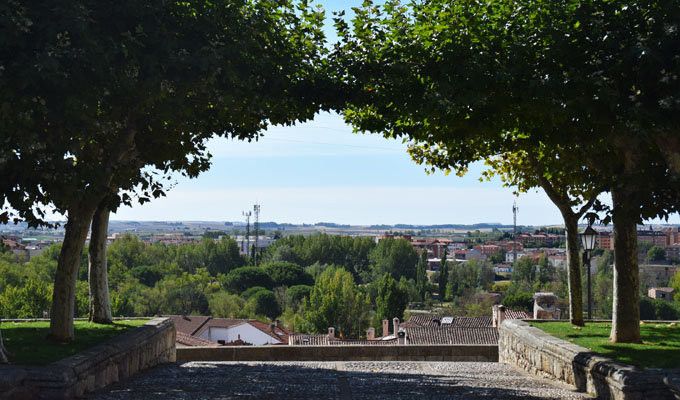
(247, 333)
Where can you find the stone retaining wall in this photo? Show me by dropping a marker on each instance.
(136, 350)
(541, 354)
(341, 353)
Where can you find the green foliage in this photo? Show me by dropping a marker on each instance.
(263, 302)
(287, 274)
(443, 276)
(656, 253)
(352, 253)
(391, 299)
(240, 279)
(296, 295)
(185, 294)
(396, 257)
(248, 293)
(225, 305)
(468, 276)
(28, 300)
(421, 276)
(336, 301)
(519, 300)
(656, 309)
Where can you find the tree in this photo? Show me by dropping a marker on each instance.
(124, 95)
(336, 301)
(656, 253)
(225, 305)
(287, 274)
(391, 300)
(264, 303)
(394, 256)
(240, 279)
(421, 275)
(295, 295)
(443, 275)
(482, 79)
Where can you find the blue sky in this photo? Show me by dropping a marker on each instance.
(321, 171)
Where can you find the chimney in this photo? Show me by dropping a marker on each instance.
(401, 337)
(370, 334)
(385, 327)
(498, 315)
(395, 325)
(331, 332)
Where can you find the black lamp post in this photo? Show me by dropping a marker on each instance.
(588, 242)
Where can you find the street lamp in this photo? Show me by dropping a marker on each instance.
(588, 242)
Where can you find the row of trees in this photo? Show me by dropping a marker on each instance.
(210, 277)
(100, 103)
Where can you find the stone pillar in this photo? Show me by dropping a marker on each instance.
(395, 325)
(331, 332)
(498, 315)
(385, 327)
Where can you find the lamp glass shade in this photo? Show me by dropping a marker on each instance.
(588, 238)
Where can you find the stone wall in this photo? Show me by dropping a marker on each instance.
(341, 353)
(136, 350)
(538, 353)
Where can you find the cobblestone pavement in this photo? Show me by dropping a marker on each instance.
(387, 380)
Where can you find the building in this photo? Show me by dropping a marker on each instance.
(199, 330)
(656, 275)
(604, 240)
(673, 252)
(661, 293)
(539, 239)
(488, 249)
(655, 238)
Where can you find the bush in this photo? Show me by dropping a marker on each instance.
(519, 301)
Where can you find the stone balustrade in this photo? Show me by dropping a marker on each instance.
(341, 353)
(544, 355)
(131, 352)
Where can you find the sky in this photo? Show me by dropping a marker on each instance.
(321, 171)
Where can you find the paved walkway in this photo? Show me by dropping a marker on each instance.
(336, 380)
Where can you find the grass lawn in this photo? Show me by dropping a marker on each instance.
(660, 347)
(26, 340)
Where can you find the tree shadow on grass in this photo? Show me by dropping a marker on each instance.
(198, 381)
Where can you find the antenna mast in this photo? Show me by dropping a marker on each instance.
(256, 210)
(247, 214)
(514, 231)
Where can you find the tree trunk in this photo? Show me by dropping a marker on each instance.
(100, 304)
(4, 354)
(574, 270)
(64, 296)
(626, 307)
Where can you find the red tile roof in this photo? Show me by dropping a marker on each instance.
(451, 335)
(188, 340)
(188, 324)
(515, 314)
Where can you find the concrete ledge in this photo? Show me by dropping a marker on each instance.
(538, 353)
(341, 353)
(134, 351)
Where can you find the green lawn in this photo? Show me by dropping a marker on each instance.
(26, 340)
(660, 347)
